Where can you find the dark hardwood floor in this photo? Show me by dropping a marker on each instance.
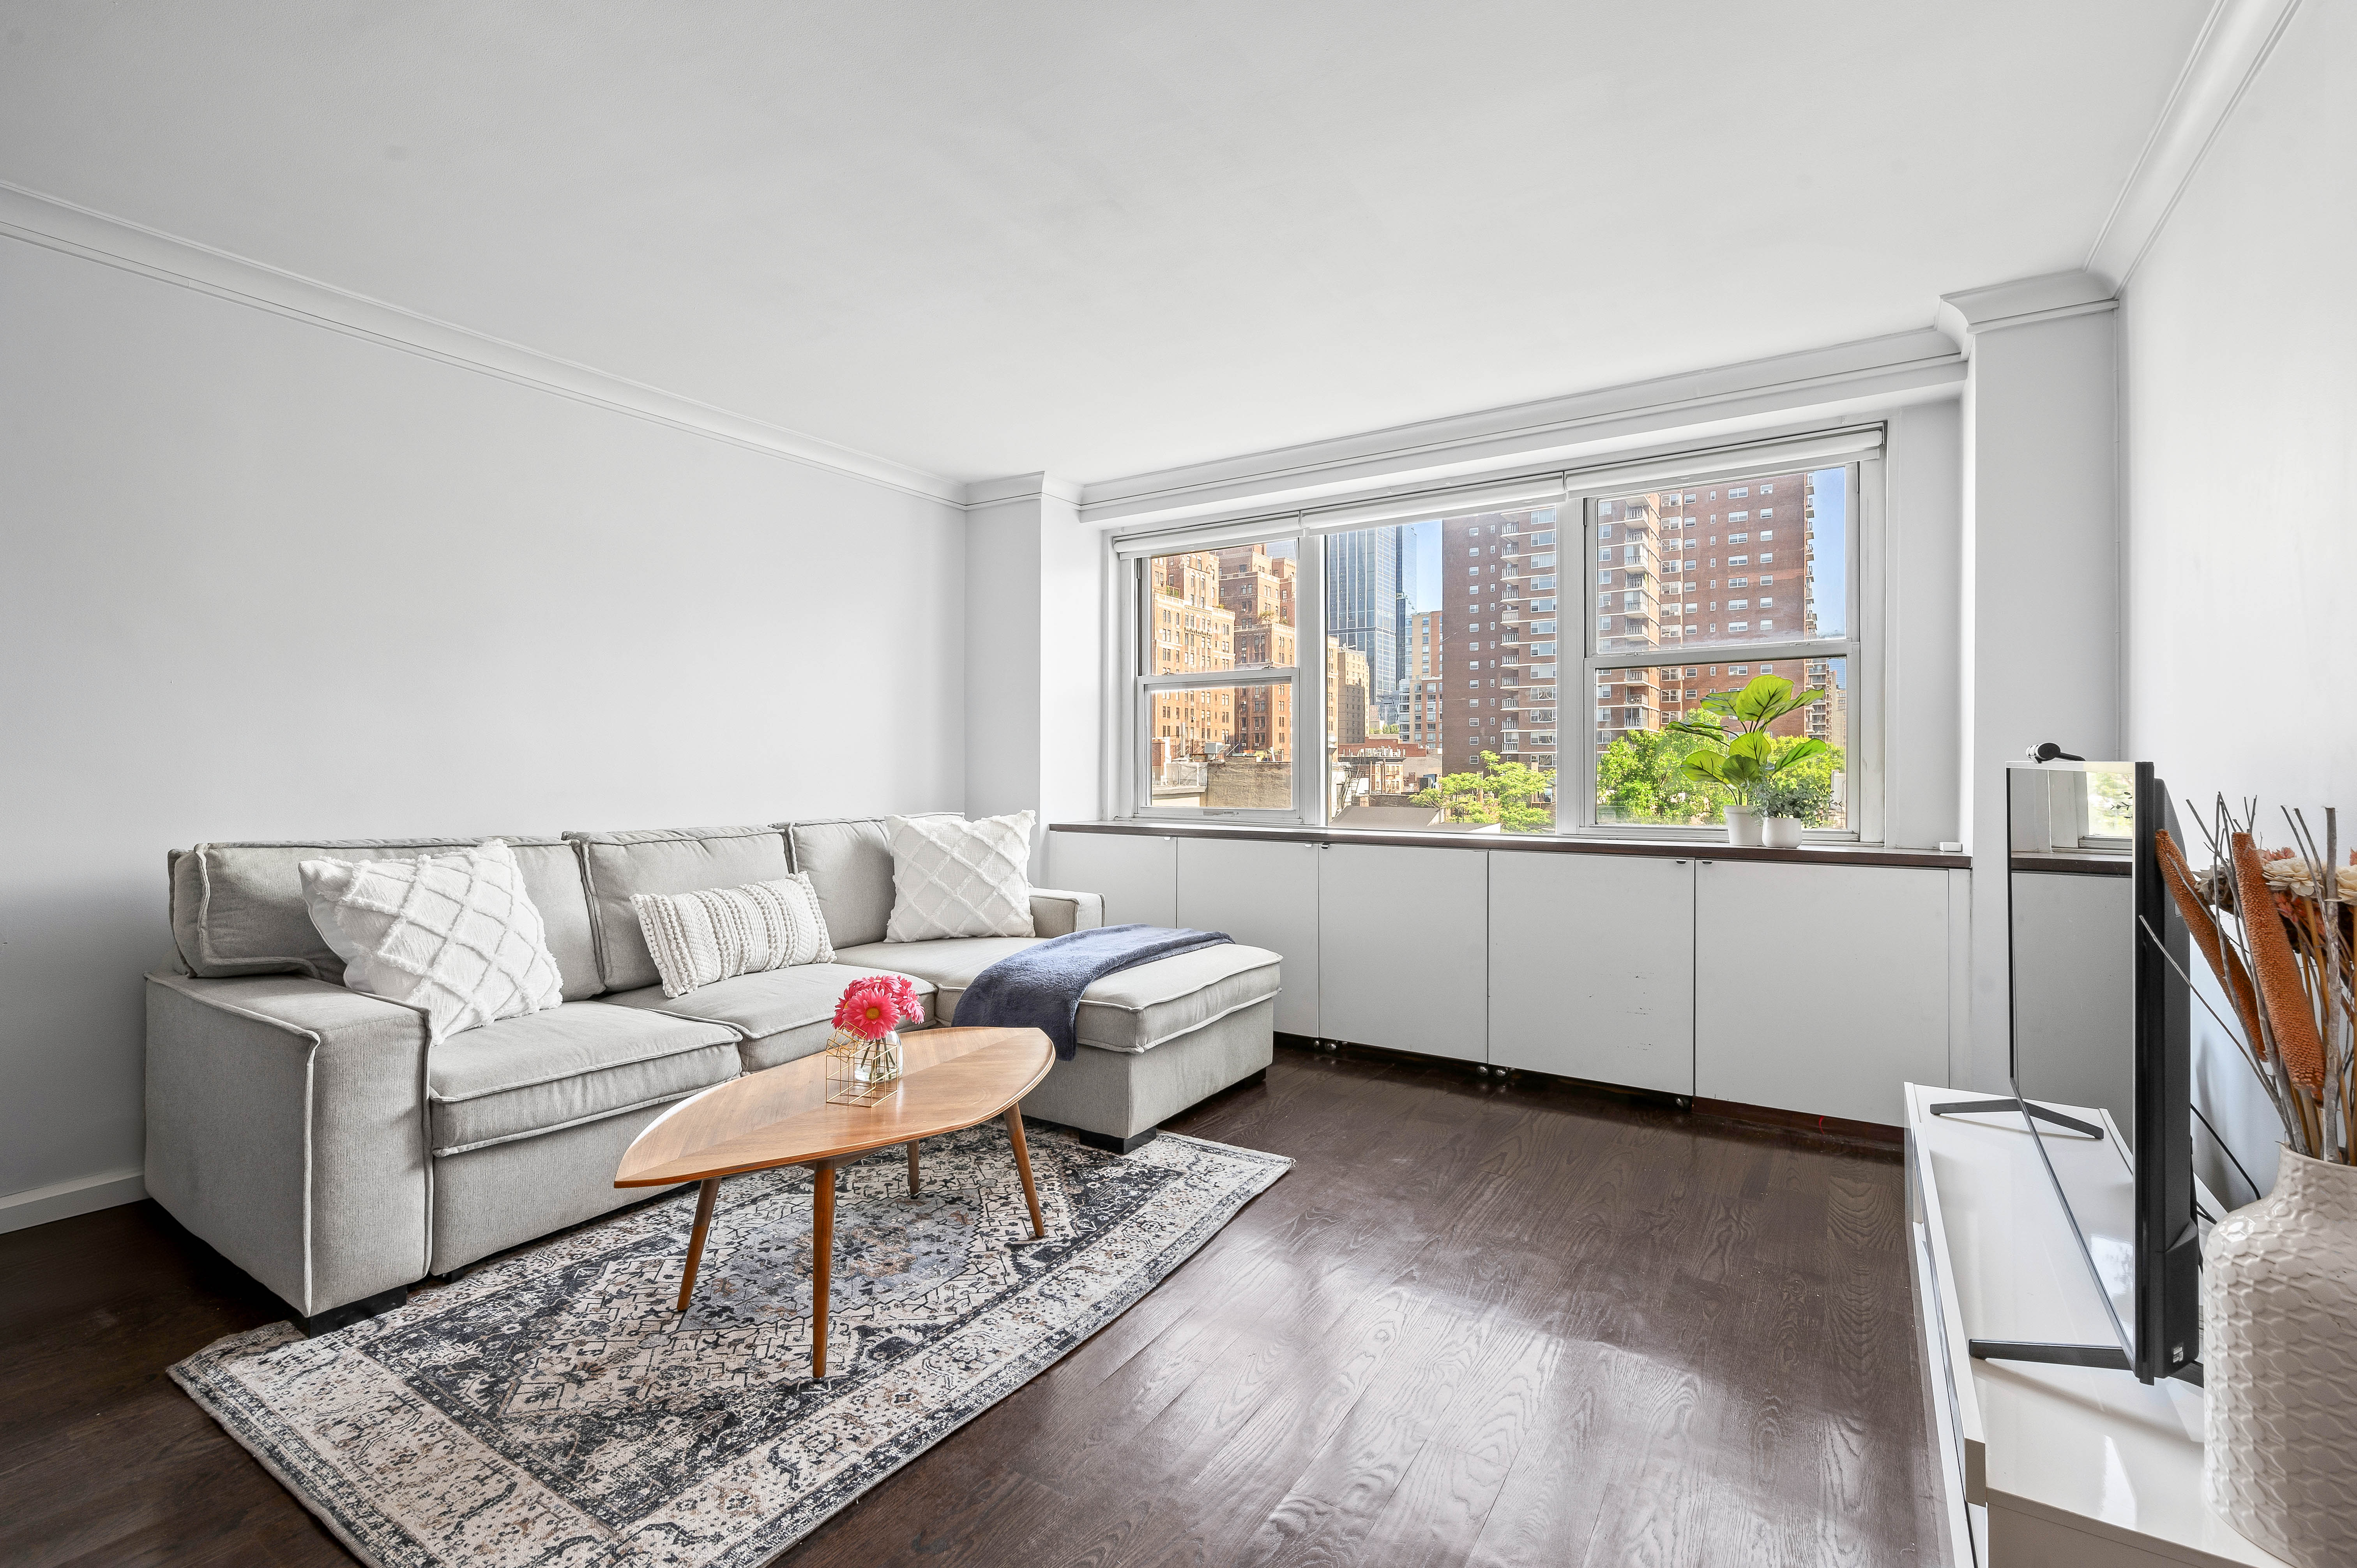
(1474, 1325)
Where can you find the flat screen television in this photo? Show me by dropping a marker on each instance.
(2136, 1222)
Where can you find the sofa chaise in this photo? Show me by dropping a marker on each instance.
(307, 1133)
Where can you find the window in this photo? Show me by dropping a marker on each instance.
(1634, 781)
(1210, 741)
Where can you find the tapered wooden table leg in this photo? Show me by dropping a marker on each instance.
(1022, 1163)
(913, 1169)
(703, 1198)
(822, 1260)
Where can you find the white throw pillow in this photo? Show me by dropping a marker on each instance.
(716, 932)
(956, 879)
(454, 936)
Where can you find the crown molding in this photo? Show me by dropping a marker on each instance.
(2235, 41)
(1880, 372)
(1965, 315)
(61, 226)
(1020, 488)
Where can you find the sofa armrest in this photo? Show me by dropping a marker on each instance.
(1055, 913)
(286, 1126)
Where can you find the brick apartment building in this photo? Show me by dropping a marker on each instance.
(1706, 565)
(1424, 666)
(1232, 746)
(1495, 634)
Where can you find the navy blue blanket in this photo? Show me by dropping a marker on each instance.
(1039, 988)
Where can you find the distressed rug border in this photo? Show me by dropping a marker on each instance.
(331, 1498)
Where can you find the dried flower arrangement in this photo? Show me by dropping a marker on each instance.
(2277, 928)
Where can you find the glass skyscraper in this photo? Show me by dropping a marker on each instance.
(1370, 589)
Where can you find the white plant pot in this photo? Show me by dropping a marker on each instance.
(1742, 825)
(2279, 1365)
(1781, 832)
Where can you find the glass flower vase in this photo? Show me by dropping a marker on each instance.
(861, 1072)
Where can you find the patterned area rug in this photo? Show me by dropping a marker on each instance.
(552, 1410)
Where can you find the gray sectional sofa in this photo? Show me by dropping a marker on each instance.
(307, 1133)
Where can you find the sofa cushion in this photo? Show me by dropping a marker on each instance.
(665, 860)
(783, 1013)
(454, 936)
(1128, 1010)
(1137, 1009)
(569, 1065)
(952, 877)
(237, 908)
(849, 860)
(949, 961)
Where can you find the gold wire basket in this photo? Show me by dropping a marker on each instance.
(862, 1071)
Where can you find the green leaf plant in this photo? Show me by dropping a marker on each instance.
(1737, 754)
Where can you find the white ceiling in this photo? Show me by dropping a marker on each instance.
(1100, 237)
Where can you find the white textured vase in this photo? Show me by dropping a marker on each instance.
(2279, 1365)
(1781, 832)
(1742, 825)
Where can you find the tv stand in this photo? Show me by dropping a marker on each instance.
(2047, 1449)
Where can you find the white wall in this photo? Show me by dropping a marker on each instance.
(1924, 691)
(2239, 374)
(1034, 659)
(2039, 584)
(265, 580)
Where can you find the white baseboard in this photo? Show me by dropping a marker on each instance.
(67, 1199)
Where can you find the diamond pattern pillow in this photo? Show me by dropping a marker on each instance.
(454, 936)
(698, 938)
(956, 879)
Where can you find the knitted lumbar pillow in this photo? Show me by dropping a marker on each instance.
(698, 938)
(956, 879)
(454, 936)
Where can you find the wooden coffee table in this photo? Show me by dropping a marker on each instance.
(949, 1079)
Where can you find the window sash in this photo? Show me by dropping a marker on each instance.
(1863, 769)
(1133, 780)
(1574, 494)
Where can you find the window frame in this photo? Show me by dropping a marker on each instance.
(1861, 647)
(1133, 781)
(1575, 495)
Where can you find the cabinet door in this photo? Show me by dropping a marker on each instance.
(1137, 875)
(1591, 967)
(1403, 959)
(1819, 988)
(1266, 895)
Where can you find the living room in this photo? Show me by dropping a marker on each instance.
(1121, 515)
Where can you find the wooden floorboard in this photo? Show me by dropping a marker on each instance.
(1477, 1324)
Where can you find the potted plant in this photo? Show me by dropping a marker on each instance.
(1738, 755)
(1789, 802)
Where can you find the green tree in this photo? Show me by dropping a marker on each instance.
(1514, 795)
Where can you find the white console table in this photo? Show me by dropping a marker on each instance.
(2042, 1466)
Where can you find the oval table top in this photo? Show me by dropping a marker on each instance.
(949, 1079)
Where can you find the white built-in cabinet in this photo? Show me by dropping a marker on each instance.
(1403, 949)
(1137, 875)
(1819, 988)
(1592, 968)
(1264, 894)
(1813, 988)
